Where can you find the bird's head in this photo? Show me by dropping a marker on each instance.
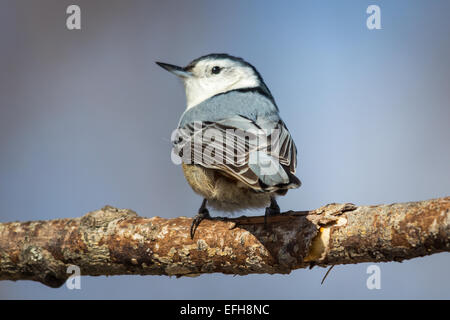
(212, 74)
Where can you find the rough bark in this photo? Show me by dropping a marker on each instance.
(114, 241)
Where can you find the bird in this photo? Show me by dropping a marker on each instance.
(227, 97)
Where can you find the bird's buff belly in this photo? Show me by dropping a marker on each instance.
(223, 193)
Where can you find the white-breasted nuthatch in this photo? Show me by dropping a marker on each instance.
(236, 151)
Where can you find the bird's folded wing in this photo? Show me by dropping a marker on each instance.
(260, 154)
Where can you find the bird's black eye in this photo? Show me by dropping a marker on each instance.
(216, 70)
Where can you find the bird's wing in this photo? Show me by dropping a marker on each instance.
(260, 154)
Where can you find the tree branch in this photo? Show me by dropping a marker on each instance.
(113, 241)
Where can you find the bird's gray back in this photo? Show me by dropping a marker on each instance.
(249, 104)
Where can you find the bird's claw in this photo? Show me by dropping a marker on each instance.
(201, 215)
(270, 211)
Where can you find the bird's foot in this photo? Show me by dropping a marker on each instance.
(202, 214)
(272, 210)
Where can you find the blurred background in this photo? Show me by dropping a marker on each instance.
(86, 118)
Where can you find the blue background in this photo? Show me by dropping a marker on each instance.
(86, 118)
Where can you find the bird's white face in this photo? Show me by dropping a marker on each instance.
(213, 76)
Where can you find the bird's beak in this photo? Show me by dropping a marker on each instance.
(178, 71)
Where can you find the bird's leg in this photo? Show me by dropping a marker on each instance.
(271, 210)
(203, 213)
